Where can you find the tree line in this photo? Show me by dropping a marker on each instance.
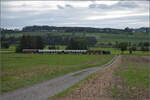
(37, 42)
(72, 42)
(36, 28)
(30, 42)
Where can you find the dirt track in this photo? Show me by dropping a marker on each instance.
(98, 87)
(95, 88)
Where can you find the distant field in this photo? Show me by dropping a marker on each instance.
(19, 70)
(101, 37)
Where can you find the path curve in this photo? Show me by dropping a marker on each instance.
(44, 90)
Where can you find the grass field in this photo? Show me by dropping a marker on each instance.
(132, 78)
(19, 70)
(127, 79)
(101, 37)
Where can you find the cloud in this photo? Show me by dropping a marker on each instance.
(118, 5)
(69, 6)
(117, 14)
(60, 7)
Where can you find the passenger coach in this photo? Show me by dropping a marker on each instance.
(65, 51)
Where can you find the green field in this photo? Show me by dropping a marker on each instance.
(131, 81)
(132, 78)
(19, 70)
(101, 37)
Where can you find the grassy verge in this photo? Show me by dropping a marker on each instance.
(21, 70)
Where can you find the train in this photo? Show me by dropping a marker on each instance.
(66, 51)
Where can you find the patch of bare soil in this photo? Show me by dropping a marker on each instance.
(97, 87)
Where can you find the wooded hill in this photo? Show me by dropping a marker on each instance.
(36, 28)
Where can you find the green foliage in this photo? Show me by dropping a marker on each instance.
(5, 44)
(130, 50)
(123, 46)
(77, 44)
(30, 42)
(114, 91)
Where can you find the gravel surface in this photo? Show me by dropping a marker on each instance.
(44, 90)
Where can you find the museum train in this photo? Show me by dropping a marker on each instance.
(66, 51)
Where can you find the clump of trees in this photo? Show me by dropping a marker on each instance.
(5, 44)
(37, 42)
(143, 46)
(78, 44)
(30, 42)
(65, 39)
(131, 49)
(123, 46)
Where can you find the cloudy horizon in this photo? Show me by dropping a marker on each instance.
(100, 14)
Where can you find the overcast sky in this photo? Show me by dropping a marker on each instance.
(101, 14)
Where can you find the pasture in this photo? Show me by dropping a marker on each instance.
(127, 79)
(101, 37)
(21, 70)
(132, 78)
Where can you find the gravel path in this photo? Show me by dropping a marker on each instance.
(43, 91)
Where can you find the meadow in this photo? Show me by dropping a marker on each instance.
(132, 78)
(127, 79)
(21, 70)
(101, 37)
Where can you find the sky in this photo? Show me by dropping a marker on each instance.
(100, 14)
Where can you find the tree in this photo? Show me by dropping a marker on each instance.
(25, 43)
(91, 40)
(123, 46)
(30, 42)
(77, 44)
(39, 43)
(5, 44)
(128, 30)
(134, 48)
(116, 45)
(130, 50)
